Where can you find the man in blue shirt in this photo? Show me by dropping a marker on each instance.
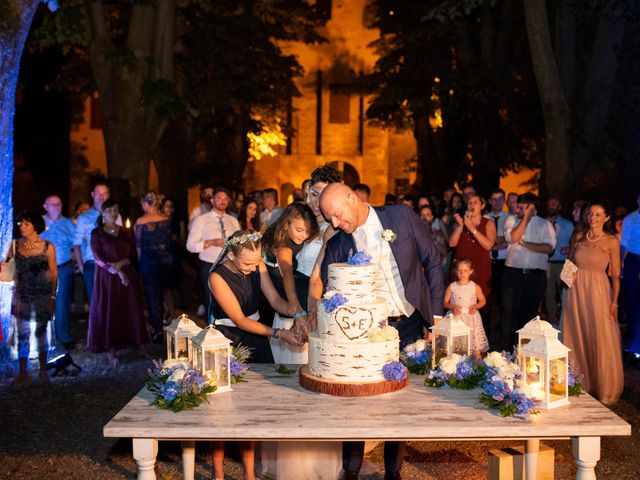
(564, 231)
(59, 231)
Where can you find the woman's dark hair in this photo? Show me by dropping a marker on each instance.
(325, 174)
(242, 216)
(460, 210)
(276, 235)
(33, 218)
(110, 203)
(608, 227)
(151, 198)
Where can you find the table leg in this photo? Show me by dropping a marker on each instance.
(188, 459)
(144, 453)
(531, 448)
(586, 451)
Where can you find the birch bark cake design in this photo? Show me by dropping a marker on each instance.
(343, 350)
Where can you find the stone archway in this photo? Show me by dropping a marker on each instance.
(348, 171)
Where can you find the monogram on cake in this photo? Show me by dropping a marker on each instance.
(353, 341)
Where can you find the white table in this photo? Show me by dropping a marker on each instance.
(273, 407)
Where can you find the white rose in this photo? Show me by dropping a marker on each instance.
(495, 359)
(178, 375)
(376, 335)
(411, 348)
(421, 345)
(390, 333)
(329, 294)
(449, 365)
(171, 362)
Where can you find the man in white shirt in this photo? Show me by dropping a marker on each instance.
(271, 211)
(630, 254)
(207, 235)
(498, 256)
(530, 240)
(564, 231)
(206, 194)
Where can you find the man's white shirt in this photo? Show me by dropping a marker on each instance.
(207, 227)
(538, 230)
(368, 239)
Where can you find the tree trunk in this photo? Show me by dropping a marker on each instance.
(558, 176)
(132, 129)
(13, 35)
(173, 156)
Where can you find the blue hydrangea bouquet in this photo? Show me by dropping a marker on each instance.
(177, 386)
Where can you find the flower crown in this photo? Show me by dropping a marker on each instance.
(242, 239)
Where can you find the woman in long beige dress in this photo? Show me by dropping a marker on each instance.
(590, 313)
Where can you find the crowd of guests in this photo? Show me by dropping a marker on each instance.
(502, 256)
(262, 268)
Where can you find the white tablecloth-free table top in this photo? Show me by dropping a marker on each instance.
(270, 406)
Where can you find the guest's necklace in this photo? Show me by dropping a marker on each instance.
(111, 230)
(31, 245)
(593, 240)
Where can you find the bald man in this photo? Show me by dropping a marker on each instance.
(59, 231)
(409, 276)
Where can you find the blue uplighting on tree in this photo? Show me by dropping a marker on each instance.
(14, 28)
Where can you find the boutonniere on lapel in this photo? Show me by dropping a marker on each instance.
(389, 235)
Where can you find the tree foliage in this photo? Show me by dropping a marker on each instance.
(462, 61)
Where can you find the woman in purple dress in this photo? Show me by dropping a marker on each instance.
(116, 318)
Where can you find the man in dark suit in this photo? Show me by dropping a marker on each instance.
(409, 276)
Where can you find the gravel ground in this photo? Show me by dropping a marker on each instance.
(55, 432)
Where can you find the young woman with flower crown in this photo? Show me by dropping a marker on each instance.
(236, 281)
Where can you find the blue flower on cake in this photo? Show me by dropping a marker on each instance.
(359, 258)
(333, 300)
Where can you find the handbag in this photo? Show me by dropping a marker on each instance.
(568, 271)
(8, 266)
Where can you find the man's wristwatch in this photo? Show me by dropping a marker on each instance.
(276, 333)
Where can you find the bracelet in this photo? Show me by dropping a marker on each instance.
(300, 314)
(276, 333)
(474, 232)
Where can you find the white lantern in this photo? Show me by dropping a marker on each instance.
(179, 333)
(211, 356)
(534, 328)
(545, 371)
(450, 335)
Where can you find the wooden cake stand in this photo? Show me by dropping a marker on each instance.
(346, 389)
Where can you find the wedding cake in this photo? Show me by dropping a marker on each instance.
(353, 342)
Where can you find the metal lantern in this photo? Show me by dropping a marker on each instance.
(534, 328)
(545, 371)
(451, 335)
(211, 356)
(179, 333)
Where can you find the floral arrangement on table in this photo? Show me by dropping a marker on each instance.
(359, 258)
(417, 357)
(333, 300)
(501, 387)
(177, 386)
(394, 371)
(457, 371)
(238, 363)
(575, 382)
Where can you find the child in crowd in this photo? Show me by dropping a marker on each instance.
(464, 298)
